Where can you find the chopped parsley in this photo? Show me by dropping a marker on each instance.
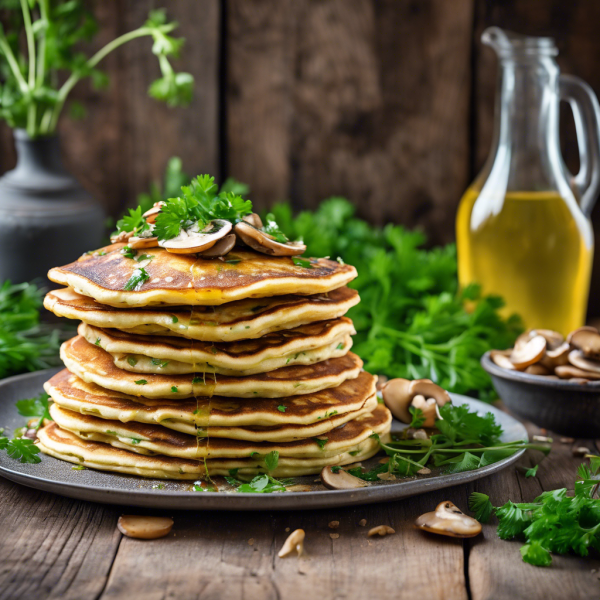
(174, 319)
(157, 362)
(132, 360)
(271, 228)
(78, 468)
(135, 441)
(141, 382)
(97, 342)
(281, 408)
(128, 252)
(137, 280)
(321, 442)
(174, 389)
(233, 260)
(144, 257)
(302, 262)
(340, 346)
(35, 407)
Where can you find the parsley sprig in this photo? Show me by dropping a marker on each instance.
(35, 407)
(466, 441)
(554, 522)
(198, 204)
(263, 483)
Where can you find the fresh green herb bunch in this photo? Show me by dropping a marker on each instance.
(466, 441)
(25, 344)
(38, 51)
(553, 522)
(412, 321)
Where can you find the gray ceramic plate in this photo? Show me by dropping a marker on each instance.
(56, 476)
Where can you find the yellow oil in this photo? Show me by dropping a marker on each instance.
(534, 252)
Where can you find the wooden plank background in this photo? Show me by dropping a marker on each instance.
(386, 102)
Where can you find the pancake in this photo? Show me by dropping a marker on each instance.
(183, 279)
(258, 419)
(92, 364)
(303, 345)
(244, 319)
(66, 446)
(155, 439)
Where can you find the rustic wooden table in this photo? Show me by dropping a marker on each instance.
(54, 547)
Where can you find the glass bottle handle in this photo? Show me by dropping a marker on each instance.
(586, 113)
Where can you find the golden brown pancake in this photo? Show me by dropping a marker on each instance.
(244, 319)
(257, 419)
(183, 279)
(303, 345)
(92, 364)
(155, 439)
(66, 446)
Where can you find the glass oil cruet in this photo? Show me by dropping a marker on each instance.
(523, 228)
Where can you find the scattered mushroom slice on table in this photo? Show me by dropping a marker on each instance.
(335, 478)
(381, 530)
(144, 528)
(264, 242)
(293, 543)
(448, 519)
(400, 394)
(192, 240)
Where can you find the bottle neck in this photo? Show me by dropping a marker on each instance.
(526, 120)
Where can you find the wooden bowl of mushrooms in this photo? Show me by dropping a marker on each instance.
(552, 381)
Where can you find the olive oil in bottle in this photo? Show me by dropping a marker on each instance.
(533, 249)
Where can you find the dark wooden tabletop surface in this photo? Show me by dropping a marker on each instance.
(55, 547)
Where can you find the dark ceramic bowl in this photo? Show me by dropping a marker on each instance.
(572, 409)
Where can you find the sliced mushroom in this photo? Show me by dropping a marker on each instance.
(537, 369)
(529, 353)
(577, 359)
(399, 394)
(192, 240)
(151, 214)
(556, 357)
(143, 242)
(381, 530)
(264, 242)
(145, 528)
(449, 520)
(432, 396)
(335, 478)
(254, 220)
(122, 236)
(586, 339)
(397, 397)
(221, 248)
(294, 543)
(570, 372)
(501, 359)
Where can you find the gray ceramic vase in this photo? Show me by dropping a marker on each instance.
(46, 218)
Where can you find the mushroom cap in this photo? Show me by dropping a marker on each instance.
(254, 220)
(221, 248)
(586, 339)
(536, 369)
(501, 359)
(191, 240)
(397, 397)
(556, 357)
(528, 353)
(579, 360)
(448, 519)
(340, 479)
(263, 242)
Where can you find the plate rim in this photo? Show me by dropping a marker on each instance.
(175, 499)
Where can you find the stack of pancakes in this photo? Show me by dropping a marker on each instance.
(209, 365)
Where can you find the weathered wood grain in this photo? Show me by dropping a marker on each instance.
(209, 556)
(352, 97)
(53, 547)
